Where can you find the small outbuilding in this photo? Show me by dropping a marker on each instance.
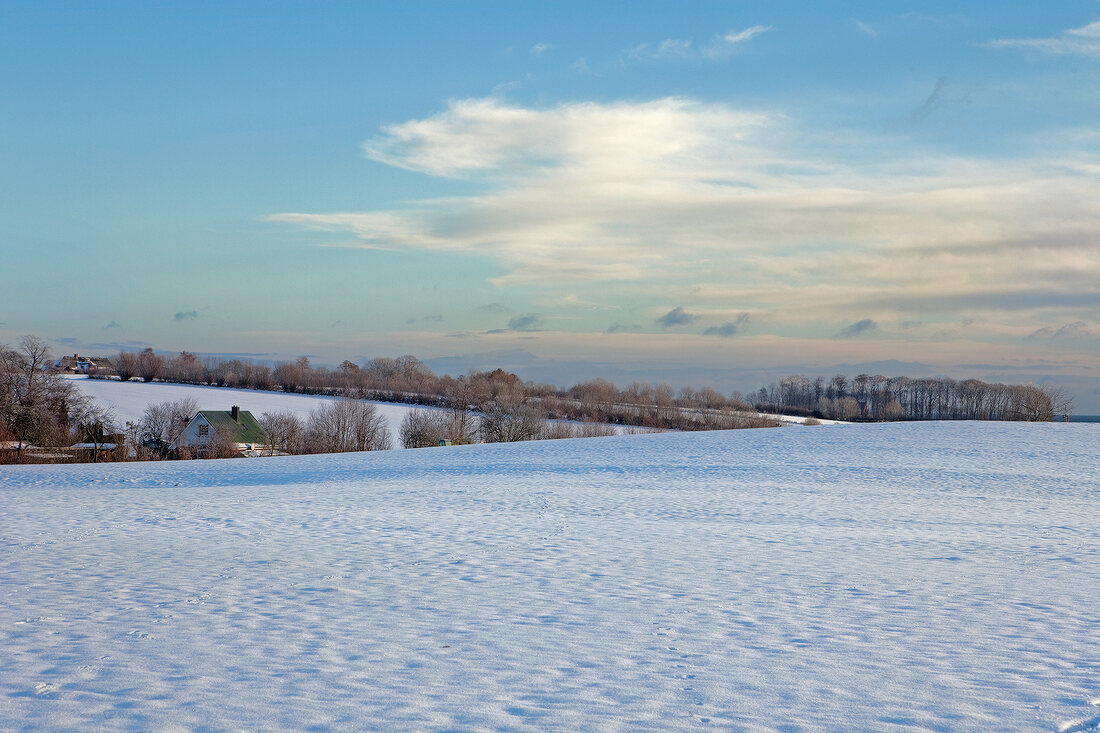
(95, 452)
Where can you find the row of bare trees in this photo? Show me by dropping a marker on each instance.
(425, 427)
(354, 425)
(507, 408)
(875, 397)
(497, 395)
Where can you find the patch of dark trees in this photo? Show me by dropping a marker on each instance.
(876, 398)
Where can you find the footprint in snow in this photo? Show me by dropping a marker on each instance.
(1080, 726)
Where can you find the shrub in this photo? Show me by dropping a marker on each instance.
(346, 425)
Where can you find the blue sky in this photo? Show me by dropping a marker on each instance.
(716, 185)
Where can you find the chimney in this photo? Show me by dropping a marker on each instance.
(235, 412)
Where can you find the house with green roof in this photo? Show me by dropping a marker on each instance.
(235, 427)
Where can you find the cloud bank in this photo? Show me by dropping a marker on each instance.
(741, 210)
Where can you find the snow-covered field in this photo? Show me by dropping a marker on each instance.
(128, 400)
(936, 576)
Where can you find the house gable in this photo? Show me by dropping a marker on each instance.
(244, 431)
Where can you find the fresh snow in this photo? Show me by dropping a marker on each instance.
(800, 420)
(935, 576)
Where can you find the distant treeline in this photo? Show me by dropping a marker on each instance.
(406, 379)
(41, 412)
(876, 397)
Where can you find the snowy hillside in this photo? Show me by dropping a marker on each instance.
(128, 400)
(865, 577)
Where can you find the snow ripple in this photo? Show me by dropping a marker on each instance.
(875, 577)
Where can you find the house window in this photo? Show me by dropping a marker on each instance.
(204, 431)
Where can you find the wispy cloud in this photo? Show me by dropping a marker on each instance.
(1076, 329)
(733, 38)
(540, 48)
(720, 46)
(494, 308)
(866, 29)
(677, 317)
(185, 316)
(1084, 41)
(112, 324)
(673, 47)
(859, 328)
(581, 65)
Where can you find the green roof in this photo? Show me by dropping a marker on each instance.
(247, 430)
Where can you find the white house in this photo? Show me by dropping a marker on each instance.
(234, 426)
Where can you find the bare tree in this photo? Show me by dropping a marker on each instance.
(1042, 403)
(163, 423)
(423, 428)
(285, 431)
(346, 425)
(185, 367)
(219, 446)
(93, 423)
(288, 376)
(126, 365)
(135, 448)
(559, 429)
(845, 408)
(149, 365)
(508, 421)
(34, 401)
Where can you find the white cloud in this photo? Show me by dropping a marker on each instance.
(708, 205)
(735, 37)
(718, 47)
(673, 47)
(866, 29)
(489, 138)
(540, 48)
(1084, 41)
